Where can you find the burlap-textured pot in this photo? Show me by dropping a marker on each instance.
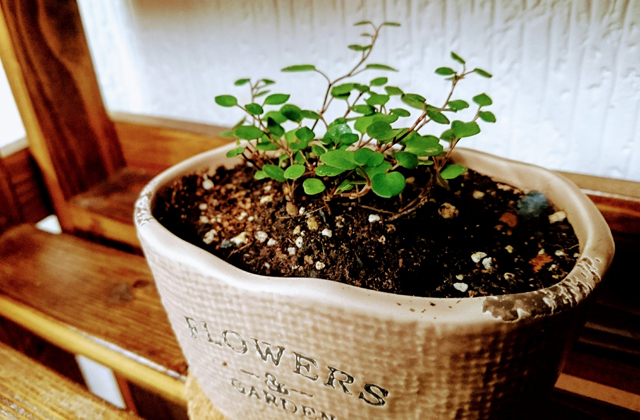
(271, 348)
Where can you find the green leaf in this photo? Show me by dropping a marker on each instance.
(267, 82)
(254, 109)
(274, 172)
(275, 116)
(327, 170)
(274, 128)
(364, 22)
(298, 158)
(266, 145)
(260, 175)
(339, 159)
(437, 116)
(313, 186)
(376, 99)
(248, 132)
(228, 134)
(361, 88)
(299, 67)
(317, 150)
(380, 130)
(407, 159)
(457, 58)
(261, 93)
(379, 67)
(298, 145)
(294, 171)
(290, 136)
(343, 89)
(276, 99)
(448, 135)
(483, 73)
(347, 139)
(400, 112)
(378, 169)
(422, 145)
(452, 171)
(378, 81)
(386, 118)
(241, 82)
(226, 100)
(282, 158)
(363, 109)
(462, 129)
(355, 47)
(235, 152)
(305, 134)
(390, 24)
(392, 90)
(388, 184)
(445, 71)
(311, 115)
(482, 99)
(458, 105)
(344, 186)
(375, 159)
(413, 100)
(292, 112)
(363, 155)
(487, 116)
(362, 123)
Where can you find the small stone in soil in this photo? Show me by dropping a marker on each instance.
(448, 211)
(372, 217)
(478, 256)
(299, 241)
(271, 242)
(478, 194)
(532, 205)
(291, 208)
(207, 184)
(203, 206)
(261, 236)
(486, 263)
(266, 199)
(327, 233)
(558, 216)
(210, 236)
(319, 265)
(291, 250)
(312, 223)
(509, 249)
(463, 287)
(239, 239)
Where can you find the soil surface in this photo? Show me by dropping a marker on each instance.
(480, 238)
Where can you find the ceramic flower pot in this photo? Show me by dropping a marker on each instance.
(273, 348)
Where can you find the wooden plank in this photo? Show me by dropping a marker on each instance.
(31, 196)
(155, 144)
(106, 210)
(92, 300)
(31, 391)
(47, 61)
(10, 210)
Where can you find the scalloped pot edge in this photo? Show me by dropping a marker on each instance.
(219, 311)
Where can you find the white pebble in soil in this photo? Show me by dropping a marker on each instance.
(204, 219)
(296, 230)
(463, 287)
(559, 253)
(301, 211)
(203, 206)
(509, 276)
(478, 256)
(210, 236)
(299, 241)
(382, 239)
(319, 265)
(242, 215)
(373, 218)
(558, 216)
(271, 242)
(291, 250)
(486, 263)
(509, 249)
(460, 276)
(261, 236)
(239, 239)
(207, 184)
(327, 232)
(478, 194)
(266, 199)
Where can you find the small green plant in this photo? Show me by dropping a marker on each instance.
(366, 149)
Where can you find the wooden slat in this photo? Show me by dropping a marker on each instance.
(47, 61)
(92, 300)
(9, 210)
(30, 391)
(155, 144)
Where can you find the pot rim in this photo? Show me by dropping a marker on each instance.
(596, 252)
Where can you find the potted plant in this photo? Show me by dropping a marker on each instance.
(266, 347)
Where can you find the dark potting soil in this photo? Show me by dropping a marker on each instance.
(475, 240)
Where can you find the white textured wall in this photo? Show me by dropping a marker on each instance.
(11, 128)
(566, 80)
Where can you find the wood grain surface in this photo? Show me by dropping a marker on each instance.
(49, 68)
(31, 391)
(91, 300)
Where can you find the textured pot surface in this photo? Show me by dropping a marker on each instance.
(271, 348)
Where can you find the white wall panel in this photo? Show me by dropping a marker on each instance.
(566, 80)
